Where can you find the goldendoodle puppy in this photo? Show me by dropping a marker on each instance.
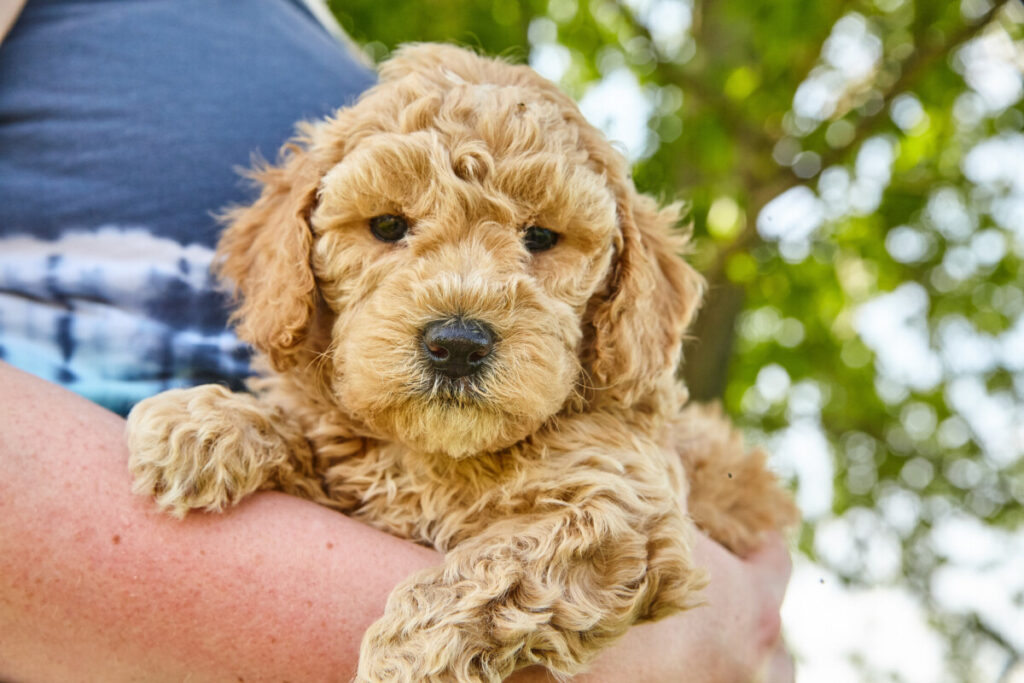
(473, 323)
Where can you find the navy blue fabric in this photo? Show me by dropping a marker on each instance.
(137, 111)
(122, 124)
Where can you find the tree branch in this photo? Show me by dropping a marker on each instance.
(670, 72)
(710, 350)
(912, 70)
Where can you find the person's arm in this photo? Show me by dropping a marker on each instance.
(735, 637)
(95, 584)
(9, 11)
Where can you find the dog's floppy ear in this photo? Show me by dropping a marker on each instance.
(638, 323)
(264, 253)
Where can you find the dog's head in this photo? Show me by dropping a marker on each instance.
(458, 258)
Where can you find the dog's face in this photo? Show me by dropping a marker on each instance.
(458, 252)
(474, 252)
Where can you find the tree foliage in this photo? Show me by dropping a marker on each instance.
(856, 182)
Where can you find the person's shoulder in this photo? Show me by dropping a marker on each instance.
(322, 13)
(9, 12)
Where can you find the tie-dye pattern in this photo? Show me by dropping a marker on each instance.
(121, 124)
(115, 314)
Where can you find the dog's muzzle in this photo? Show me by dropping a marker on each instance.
(457, 347)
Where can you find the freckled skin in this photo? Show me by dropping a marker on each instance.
(553, 478)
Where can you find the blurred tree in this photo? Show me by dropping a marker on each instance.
(855, 172)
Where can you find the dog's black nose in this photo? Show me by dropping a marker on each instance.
(457, 347)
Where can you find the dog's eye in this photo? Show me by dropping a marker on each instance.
(537, 238)
(389, 227)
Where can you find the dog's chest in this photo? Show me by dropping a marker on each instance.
(429, 499)
(439, 502)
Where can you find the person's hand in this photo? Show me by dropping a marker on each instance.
(735, 637)
(742, 624)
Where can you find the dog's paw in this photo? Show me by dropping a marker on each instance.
(430, 647)
(197, 448)
(380, 665)
(377, 661)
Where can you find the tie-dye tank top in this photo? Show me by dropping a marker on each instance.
(122, 126)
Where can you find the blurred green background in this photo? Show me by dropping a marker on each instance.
(855, 173)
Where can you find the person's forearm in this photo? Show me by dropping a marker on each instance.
(97, 585)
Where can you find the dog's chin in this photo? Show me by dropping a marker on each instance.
(454, 426)
(457, 420)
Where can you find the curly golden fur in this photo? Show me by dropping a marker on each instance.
(556, 479)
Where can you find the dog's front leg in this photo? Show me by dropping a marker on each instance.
(552, 588)
(207, 447)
